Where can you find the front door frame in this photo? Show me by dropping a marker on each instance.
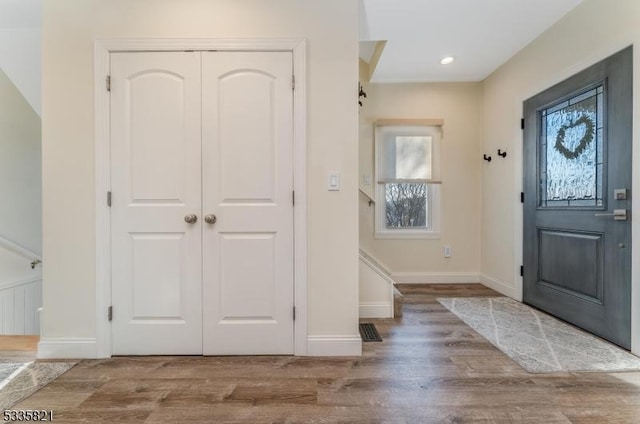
(516, 291)
(102, 51)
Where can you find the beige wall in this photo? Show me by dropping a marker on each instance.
(20, 169)
(591, 32)
(69, 30)
(459, 105)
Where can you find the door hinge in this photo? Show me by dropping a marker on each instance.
(294, 313)
(110, 313)
(108, 82)
(522, 197)
(522, 124)
(293, 82)
(109, 198)
(521, 271)
(293, 197)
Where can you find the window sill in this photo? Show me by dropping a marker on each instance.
(408, 235)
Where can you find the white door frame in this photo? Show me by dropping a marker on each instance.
(102, 51)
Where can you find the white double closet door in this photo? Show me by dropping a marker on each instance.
(202, 134)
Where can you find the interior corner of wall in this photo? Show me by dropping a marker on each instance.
(502, 287)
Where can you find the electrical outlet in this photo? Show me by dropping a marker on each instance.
(447, 251)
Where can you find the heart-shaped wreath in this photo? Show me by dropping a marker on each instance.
(584, 142)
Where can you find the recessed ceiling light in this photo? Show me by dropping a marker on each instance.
(447, 60)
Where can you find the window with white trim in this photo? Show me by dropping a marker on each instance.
(408, 181)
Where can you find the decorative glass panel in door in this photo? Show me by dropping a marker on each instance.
(572, 146)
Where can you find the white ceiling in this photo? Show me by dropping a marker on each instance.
(480, 34)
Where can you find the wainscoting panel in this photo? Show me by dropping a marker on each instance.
(19, 303)
(20, 290)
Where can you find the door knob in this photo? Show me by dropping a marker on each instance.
(190, 218)
(210, 219)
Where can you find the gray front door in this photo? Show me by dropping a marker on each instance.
(577, 182)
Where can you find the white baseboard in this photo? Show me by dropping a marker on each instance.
(435, 277)
(500, 286)
(334, 345)
(76, 348)
(67, 348)
(376, 310)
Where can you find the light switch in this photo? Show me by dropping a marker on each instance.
(366, 180)
(333, 181)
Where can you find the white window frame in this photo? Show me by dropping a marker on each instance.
(427, 127)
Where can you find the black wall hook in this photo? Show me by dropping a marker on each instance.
(487, 158)
(502, 154)
(361, 93)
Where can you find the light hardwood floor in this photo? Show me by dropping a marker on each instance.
(430, 368)
(18, 348)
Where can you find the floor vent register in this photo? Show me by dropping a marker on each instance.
(369, 333)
